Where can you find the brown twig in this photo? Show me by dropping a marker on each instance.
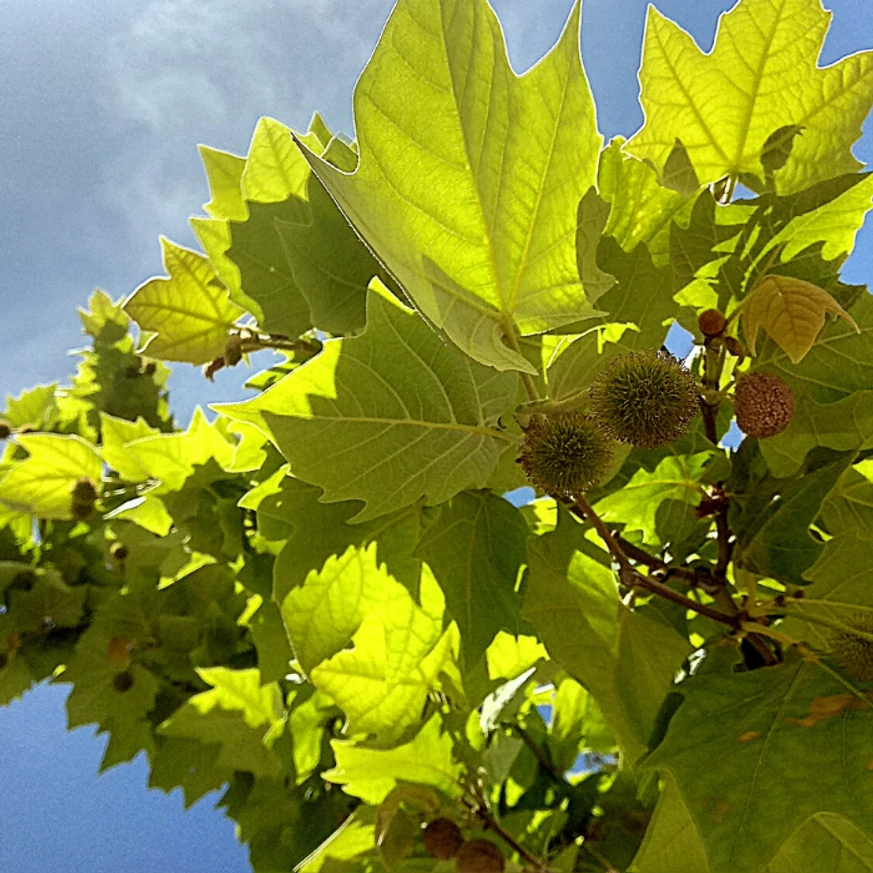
(668, 593)
(482, 811)
(578, 501)
(539, 754)
(631, 577)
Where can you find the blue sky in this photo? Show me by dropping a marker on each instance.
(103, 103)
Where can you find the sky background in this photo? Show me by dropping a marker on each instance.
(102, 105)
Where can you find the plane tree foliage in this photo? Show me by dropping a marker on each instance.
(317, 600)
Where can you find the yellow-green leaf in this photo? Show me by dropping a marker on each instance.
(791, 311)
(470, 176)
(761, 78)
(41, 484)
(189, 312)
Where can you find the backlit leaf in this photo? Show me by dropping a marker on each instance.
(189, 312)
(470, 177)
(761, 76)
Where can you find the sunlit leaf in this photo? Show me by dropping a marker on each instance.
(761, 76)
(470, 177)
(189, 313)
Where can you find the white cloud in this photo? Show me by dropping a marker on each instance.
(182, 72)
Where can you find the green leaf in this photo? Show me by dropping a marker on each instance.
(771, 517)
(761, 76)
(372, 773)
(642, 210)
(413, 420)
(325, 612)
(476, 549)
(238, 713)
(264, 273)
(469, 176)
(626, 659)
(398, 647)
(849, 508)
(41, 484)
(733, 747)
(189, 313)
(650, 500)
(320, 530)
(846, 425)
(672, 842)
(841, 586)
(271, 642)
(30, 407)
(224, 172)
(190, 765)
(641, 301)
(382, 682)
(825, 843)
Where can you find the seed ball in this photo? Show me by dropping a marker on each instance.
(442, 838)
(763, 405)
(565, 453)
(645, 398)
(5, 429)
(711, 323)
(853, 653)
(479, 856)
(84, 490)
(118, 551)
(122, 682)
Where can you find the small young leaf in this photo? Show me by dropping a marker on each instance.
(792, 312)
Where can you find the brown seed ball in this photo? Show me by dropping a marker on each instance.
(763, 405)
(122, 682)
(711, 323)
(479, 856)
(84, 490)
(565, 453)
(442, 838)
(853, 653)
(118, 551)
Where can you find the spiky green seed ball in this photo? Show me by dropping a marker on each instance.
(853, 653)
(763, 404)
(645, 398)
(565, 453)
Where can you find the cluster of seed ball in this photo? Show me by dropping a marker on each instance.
(645, 398)
(444, 840)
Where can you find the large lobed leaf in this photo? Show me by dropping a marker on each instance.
(733, 747)
(752, 93)
(470, 176)
(389, 417)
